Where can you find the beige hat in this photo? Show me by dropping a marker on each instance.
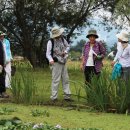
(92, 32)
(56, 32)
(2, 34)
(123, 36)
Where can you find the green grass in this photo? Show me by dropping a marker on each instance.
(65, 116)
(70, 118)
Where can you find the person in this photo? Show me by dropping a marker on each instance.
(2, 74)
(8, 58)
(123, 56)
(58, 60)
(93, 54)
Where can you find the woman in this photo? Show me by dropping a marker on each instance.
(123, 55)
(92, 57)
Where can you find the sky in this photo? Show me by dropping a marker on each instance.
(109, 37)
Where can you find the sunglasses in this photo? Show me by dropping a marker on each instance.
(124, 42)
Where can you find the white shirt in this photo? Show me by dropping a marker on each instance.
(90, 61)
(49, 47)
(123, 56)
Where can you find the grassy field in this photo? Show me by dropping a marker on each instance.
(64, 114)
(70, 118)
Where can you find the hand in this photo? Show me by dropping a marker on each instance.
(63, 54)
(81, 67)
(112, 63)
(99, 57)
(51, 62)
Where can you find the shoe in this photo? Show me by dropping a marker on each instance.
(69, 100)
(4, 95)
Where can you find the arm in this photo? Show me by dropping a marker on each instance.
(67, 46)
(48, 52)
(9, 55)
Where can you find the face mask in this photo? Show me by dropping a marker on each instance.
(124, 45)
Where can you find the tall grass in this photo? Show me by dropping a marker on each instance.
(104, 93)
(23, 87)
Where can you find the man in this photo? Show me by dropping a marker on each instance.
(8, 58)
(57, 52)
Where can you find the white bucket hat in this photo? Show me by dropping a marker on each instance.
(2, 34)
(123, 36)
(56, 32)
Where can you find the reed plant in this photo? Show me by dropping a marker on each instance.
(23, 87)
(104, 93)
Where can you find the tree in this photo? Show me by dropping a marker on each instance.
(79, 46)
(30, 21)
(121, 14)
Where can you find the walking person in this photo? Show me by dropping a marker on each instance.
(8, 58)
(57, 53)
(2, 74)
(93, 55)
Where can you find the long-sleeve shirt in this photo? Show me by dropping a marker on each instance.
(7, 51)
(98, 49)
(56, 42)
(123, 56)
(119, 48)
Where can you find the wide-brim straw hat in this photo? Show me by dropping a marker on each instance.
(123, 36)
(92, 32)
(56, 32)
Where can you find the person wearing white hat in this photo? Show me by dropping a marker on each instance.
(2, 73)
(123, 55)
(57, 52)
(8, 58)
(122, 36)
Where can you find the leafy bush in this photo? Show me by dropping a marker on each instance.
(16, 124)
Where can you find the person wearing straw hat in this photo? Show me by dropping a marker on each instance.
(57, 53)
(8, 58)
(93, 54)
(123, 55)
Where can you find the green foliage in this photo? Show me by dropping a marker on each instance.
(104, 93)
(37, 112)
(22, 64)
(30, 20)
(17, 124)
(23, 87)
(6, 111)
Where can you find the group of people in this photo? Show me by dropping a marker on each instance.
(5, 65)
(57, 54)
(91, 64)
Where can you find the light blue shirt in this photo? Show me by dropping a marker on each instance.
(7, 51)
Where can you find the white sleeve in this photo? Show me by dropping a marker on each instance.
(118, 55)
(48, 51)
(67, 46)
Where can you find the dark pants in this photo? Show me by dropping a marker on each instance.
(89, 72)
(2, 82)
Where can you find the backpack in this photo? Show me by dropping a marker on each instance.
(52, 49)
